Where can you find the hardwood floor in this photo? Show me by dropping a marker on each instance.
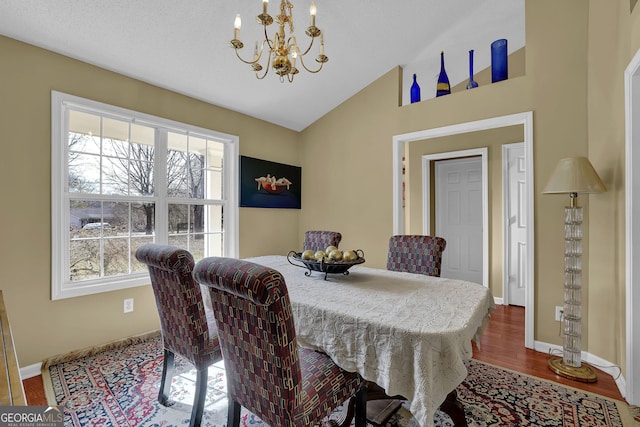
(502, 344)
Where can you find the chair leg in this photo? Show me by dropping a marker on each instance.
(167, 375)
(201, 394)
(233, 413)
(361, 407)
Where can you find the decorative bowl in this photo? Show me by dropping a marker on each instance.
(324, 265)
(273, 188)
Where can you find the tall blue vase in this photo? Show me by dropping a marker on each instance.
(472, 83)
(415, 91)
(499, 60)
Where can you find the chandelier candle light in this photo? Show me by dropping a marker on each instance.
(282, 49)
(573, 175)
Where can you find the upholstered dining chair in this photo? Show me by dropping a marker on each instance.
(187, 328)
(416, 254)
(267, 373)
(319, 240)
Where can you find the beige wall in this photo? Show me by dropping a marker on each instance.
(575, 56)
(573, 69)
(42, 327)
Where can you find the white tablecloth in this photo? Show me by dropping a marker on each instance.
(408, 333)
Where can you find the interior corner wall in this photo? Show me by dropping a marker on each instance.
(614, 39)
(353, 181)
(41, 327)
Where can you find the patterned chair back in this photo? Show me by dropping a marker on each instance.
(179, 300)
(416, 254)
(320, 240)
(257, 336)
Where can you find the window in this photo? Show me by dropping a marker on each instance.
(121, 179)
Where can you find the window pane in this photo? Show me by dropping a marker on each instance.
(214, 184)
(84, 259)
(143, 218)
(116, 256)
(197, 246)
(142, 135)
(214, 244)
(214, 218)
(82, 213)
(84, 132)
(136, 242)
(118, 216)
(115, 176)
(215, 160)
(84, 176)
(179, 219)
(177, 181)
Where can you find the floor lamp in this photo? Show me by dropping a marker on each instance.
(573, 175)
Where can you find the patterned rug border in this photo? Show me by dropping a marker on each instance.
(86, 352)
(626, 411)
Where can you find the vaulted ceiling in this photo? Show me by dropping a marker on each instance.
(183, 45)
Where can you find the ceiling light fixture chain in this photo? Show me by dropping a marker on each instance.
(282, 50)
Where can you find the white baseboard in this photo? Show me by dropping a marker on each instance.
(30, 371)
(498, 301)
(591, 359)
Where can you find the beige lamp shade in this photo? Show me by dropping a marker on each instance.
(574, 175)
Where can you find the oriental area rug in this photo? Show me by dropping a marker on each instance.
(117, 385)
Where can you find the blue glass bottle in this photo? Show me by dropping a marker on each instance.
(443, 87)
(415, 91)
(472, 83)
(499, 61)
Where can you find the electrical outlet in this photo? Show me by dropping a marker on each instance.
(559, 311)
(128, 305)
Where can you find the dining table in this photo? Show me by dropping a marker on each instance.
(408, 333)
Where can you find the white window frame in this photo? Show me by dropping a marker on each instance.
(61, 286)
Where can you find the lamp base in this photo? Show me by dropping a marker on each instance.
(583, 373)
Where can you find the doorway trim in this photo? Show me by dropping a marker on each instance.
(525, 119)
(426, 197)
(507, 192)
(632, 225)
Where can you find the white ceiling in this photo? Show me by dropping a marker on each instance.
(183, 45)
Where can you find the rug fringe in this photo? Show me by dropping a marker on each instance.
(90, 351)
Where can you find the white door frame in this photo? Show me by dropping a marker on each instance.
(525, 119)
(632, 225)
(426, 197)
(506, 229)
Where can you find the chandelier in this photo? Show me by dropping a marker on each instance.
(282, 50)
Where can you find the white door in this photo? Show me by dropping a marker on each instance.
(459, 217)
(516, 230)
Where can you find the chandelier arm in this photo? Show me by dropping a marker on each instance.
(266, 69)
(266, 39)
(255, 61)
(295, 42)
(309, 70)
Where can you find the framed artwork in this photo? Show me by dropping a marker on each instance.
(265, 184)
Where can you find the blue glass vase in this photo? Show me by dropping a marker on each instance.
(499, 62)
(472, 83)
(443, 87)
(415, 91)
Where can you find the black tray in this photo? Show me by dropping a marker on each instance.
(326, 267)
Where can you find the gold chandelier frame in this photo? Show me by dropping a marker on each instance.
(283, 50)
